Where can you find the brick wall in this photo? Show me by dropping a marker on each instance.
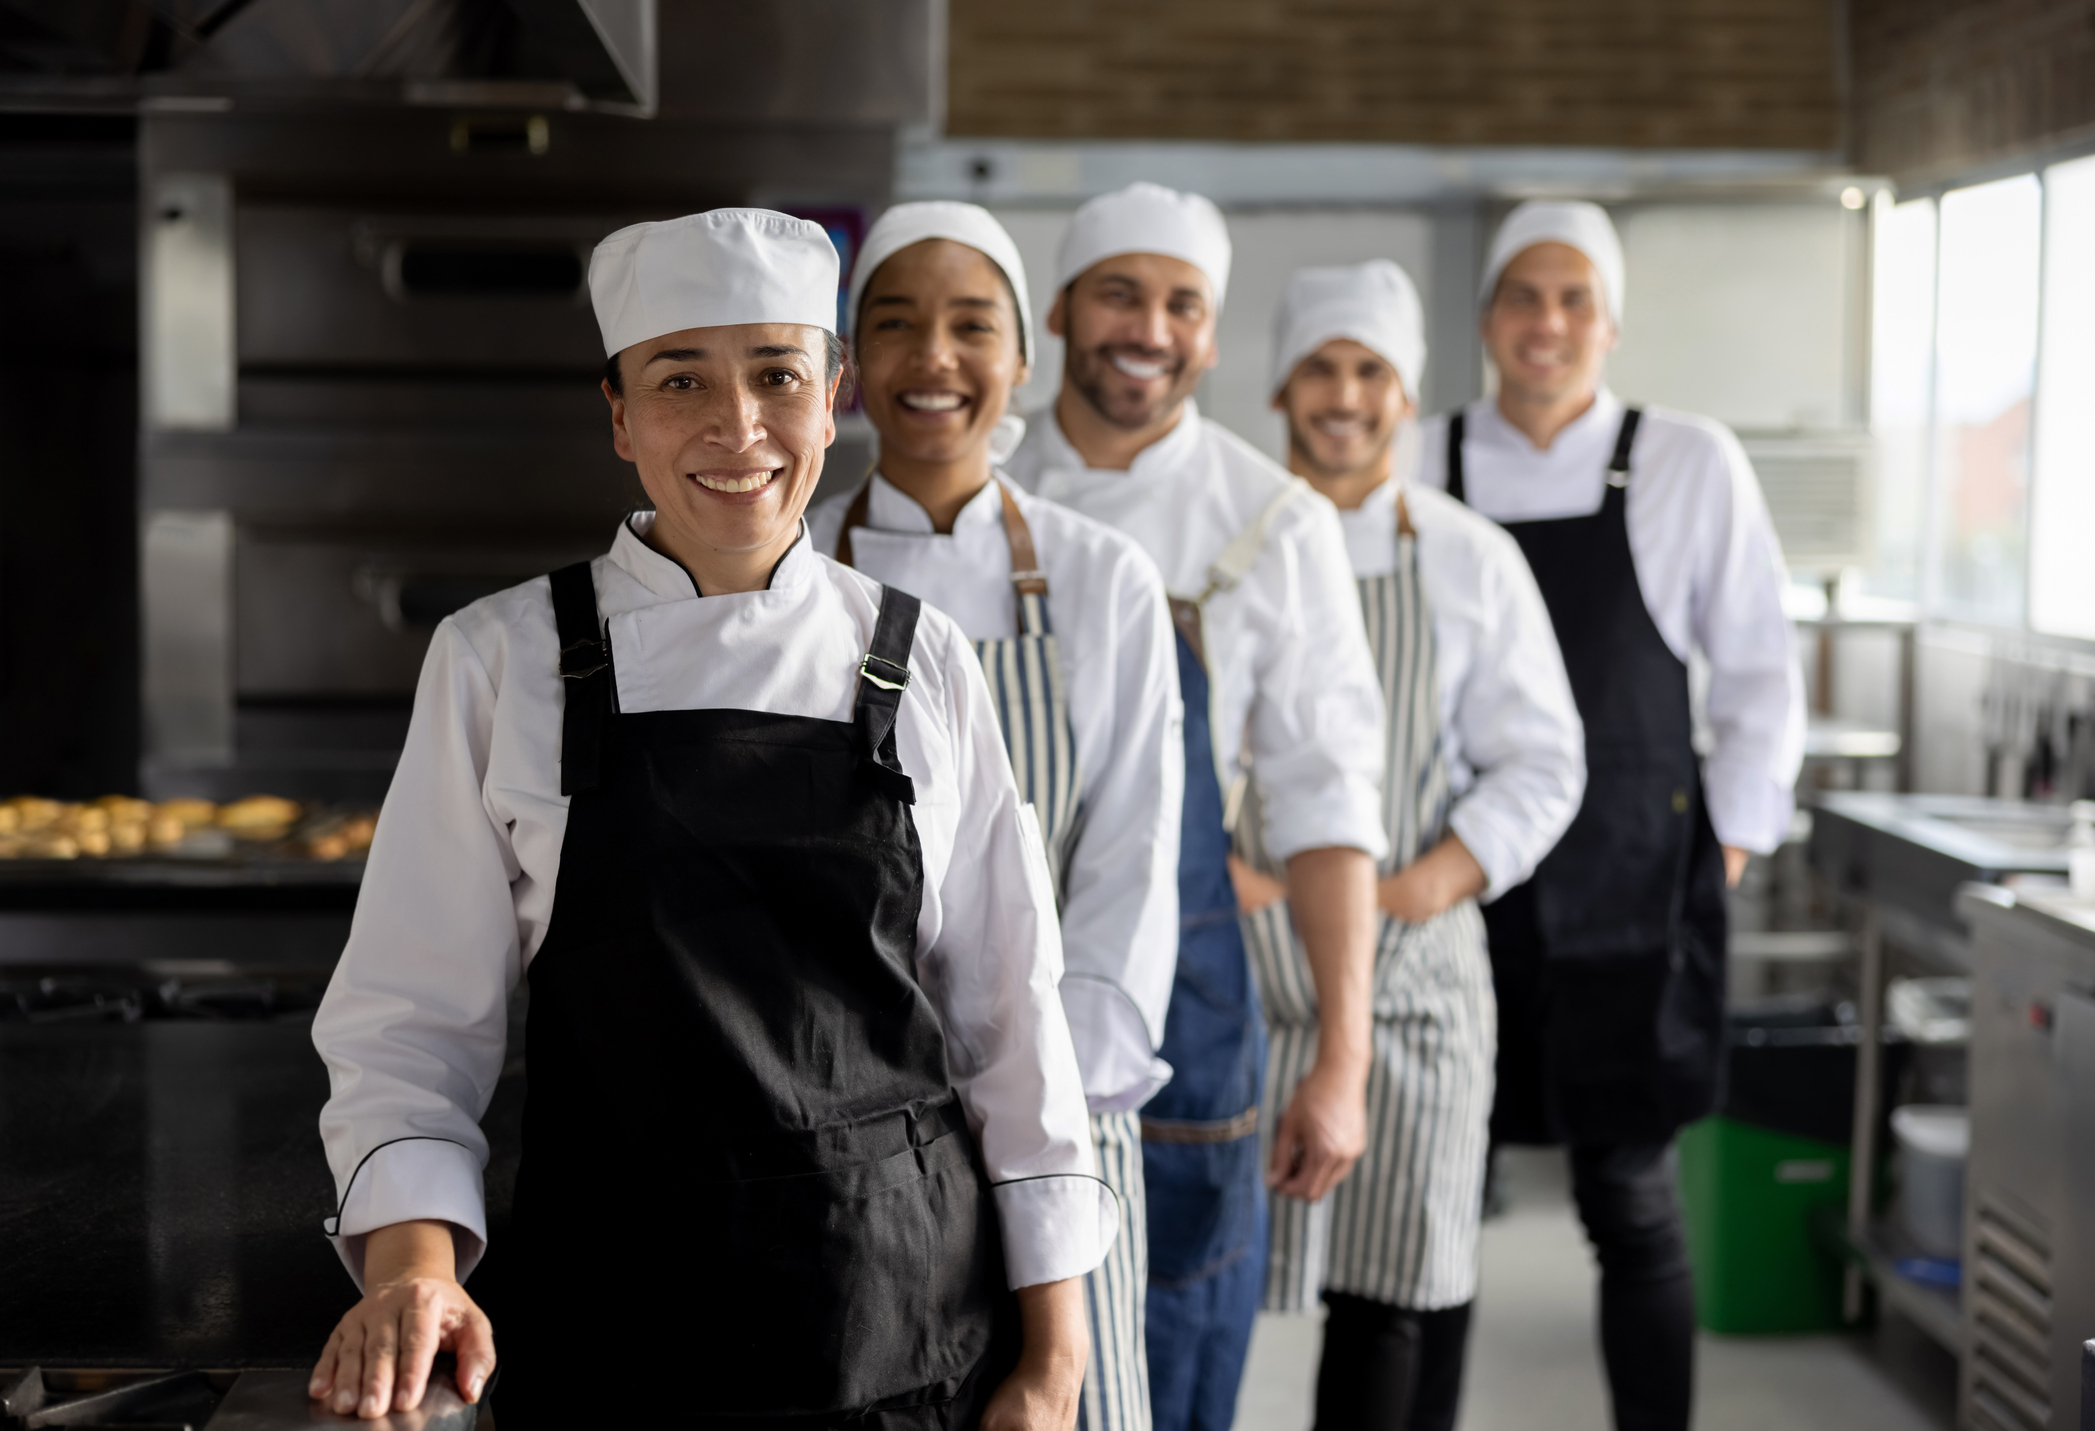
(1688, 73)
(1941, 85)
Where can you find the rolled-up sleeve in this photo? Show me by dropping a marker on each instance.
(1755, 704)
(1516, 723)
(413, 1028)
(1316, 717)
(993, 972)
(1120, 912)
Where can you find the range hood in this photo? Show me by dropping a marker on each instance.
(572, 53)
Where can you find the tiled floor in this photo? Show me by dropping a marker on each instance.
(1533, 1363)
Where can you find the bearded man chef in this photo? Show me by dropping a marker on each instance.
(1484, 773)
(1648, 536)
(803, 1104)
(1275, 672)
(1069, 619)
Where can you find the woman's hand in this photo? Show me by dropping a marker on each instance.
(1432, 884)
(378, 1360)
(1043, 1392)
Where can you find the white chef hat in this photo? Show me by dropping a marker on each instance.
(710, 270)
(1373, 303)
(1147, 218)
(1582, 226)
(970, 224)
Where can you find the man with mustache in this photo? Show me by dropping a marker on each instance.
(1276, 676)
(1650, 541)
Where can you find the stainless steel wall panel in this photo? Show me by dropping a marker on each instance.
(335, 288)
(502, 478)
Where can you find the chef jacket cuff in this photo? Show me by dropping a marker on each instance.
(1334, 814)
(1746, 808)
(1118, 1061)
(1055, 1227)
(1497, 856)
(412, 1180)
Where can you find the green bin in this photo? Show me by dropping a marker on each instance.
(1749, 1194)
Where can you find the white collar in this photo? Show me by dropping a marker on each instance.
(666, 577)
(1597, 422)
(890, 509)
(1162, 457)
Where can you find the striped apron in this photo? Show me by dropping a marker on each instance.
(1026, 683)
(1402, 1228)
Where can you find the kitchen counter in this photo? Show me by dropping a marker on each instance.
(1907, 854)
(162, 1189)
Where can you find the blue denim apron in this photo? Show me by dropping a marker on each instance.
(1200, 1144)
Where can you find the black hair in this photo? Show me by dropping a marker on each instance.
(832, 363)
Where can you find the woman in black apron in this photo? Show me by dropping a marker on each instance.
(803, 1108)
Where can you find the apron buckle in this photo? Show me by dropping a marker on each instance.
(580, 660)
(886, 683)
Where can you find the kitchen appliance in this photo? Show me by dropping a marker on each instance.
(371, 366)
(2029, 1195)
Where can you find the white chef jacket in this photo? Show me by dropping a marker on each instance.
(1707, 561)
(1509, 729)
(1286, 647)
(459, 889)
(1120, 670)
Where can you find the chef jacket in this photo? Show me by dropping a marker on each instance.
(1296, 687)
(1707, 562)
(459, 888)
(1119, 669)
(1510, 733)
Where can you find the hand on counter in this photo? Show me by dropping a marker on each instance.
(379, 1357)
(1042, 1392)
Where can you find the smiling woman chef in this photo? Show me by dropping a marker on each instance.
(793, 1066)
(1070, 621)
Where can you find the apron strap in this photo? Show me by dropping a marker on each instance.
(1455, 488)
(585, 674)
(882, 678)
(1625, 436)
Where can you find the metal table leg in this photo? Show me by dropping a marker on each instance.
(1869, 1096)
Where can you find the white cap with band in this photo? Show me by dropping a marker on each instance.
(710, 270)
(1147, 218)
(969, 224)
(1373, 303)
(1585, 227)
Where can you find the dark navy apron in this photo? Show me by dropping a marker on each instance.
(1609, 962)
(1200, 1144)
(748, 1192)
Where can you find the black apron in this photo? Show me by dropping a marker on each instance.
(748, 1190)
(1609, 962)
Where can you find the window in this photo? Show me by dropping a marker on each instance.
(1902, 371)
(2062, 498)
(1985, 375)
